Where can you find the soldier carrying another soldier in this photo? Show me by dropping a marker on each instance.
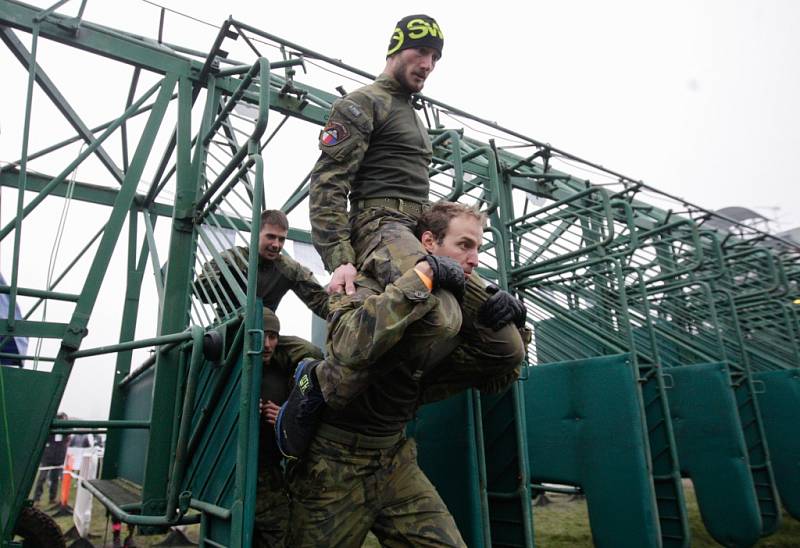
(375, 152)
(360, 472)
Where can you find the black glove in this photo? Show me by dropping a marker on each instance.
(501, 308)
(447, 274)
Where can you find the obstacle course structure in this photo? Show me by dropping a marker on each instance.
(663, 348)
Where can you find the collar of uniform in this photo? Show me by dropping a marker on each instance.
(392, 86)
(264, 263)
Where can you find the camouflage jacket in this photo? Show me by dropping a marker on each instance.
(275, 278)
(375, 389)
(373, 146)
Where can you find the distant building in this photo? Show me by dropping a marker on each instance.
(793, 235)
(741, 215)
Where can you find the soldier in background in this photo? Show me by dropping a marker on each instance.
(272, 500)
(277, 274)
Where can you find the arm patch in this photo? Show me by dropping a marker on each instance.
(352, 113)
(332, 134)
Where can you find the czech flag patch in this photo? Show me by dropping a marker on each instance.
(333, 134)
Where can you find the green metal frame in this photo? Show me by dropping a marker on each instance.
(604, 244)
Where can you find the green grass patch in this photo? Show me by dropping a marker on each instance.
(565, 524)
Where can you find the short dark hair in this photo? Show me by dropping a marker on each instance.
(437, 219)
(274, 217)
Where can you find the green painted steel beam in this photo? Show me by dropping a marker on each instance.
(84, 192)
(76, 329)
(131, 345)
(98, 39)
(60, 102)
(33, 329)
(22, 212)
(28, 292)
(144, 53)
(101, 195)
(174, 316)
(160, 58)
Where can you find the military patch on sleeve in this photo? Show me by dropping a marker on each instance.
(333, 134)
(354, 110)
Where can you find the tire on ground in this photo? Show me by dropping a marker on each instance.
(38, 530)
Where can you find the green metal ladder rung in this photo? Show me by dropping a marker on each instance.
(667, 498)
(506, 521)
(661, 515)
(658, 424)
(662, 477)
(504, 495)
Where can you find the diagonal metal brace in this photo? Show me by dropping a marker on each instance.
(51, 90)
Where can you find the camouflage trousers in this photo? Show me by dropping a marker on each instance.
(353, 484)
(272, 508)
(372, 331)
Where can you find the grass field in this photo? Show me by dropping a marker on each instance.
(565, 524)
(562, 524)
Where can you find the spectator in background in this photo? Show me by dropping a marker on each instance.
(52, 464)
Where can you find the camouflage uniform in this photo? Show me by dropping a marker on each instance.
(348, 485)
(380, 150)
(272, 496)
(374, 146)
(384, 340)
(374, 331)
(483, 358)
(275, 278)
(272, 508)
(360, 473)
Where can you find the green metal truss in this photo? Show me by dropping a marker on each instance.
(626, 286)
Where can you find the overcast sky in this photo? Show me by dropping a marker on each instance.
(698, 98)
